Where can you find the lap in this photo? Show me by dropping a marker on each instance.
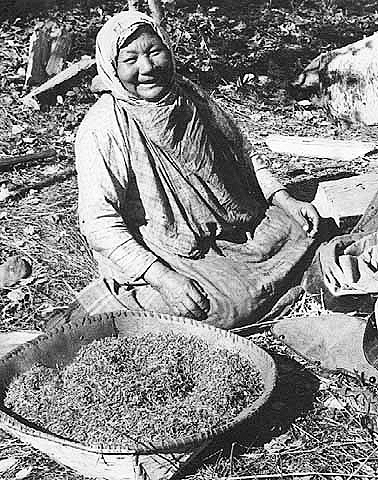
(241, 280)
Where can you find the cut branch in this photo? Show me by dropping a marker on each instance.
(50, 180)
(68, 73)
(6, 162)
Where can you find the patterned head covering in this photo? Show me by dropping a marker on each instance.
(110, 39)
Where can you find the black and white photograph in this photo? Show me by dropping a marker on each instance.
(188, 239)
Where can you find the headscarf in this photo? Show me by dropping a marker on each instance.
(111, 38)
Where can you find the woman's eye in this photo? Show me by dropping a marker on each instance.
(129, 60)
(156, 52)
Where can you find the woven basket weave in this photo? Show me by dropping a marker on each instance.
(116, 462)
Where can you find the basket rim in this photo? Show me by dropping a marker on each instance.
(180, 444)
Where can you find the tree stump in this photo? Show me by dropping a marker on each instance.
(49, 46)
(347, 80)
(61, 40)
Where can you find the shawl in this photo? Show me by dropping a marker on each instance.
(193, 178)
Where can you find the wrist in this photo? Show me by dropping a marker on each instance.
(155, 274)
(280, 198)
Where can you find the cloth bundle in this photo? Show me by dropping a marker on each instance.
(359, 264)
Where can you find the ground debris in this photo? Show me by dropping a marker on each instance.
(13, 270)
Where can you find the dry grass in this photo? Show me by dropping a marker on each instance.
(43, 228)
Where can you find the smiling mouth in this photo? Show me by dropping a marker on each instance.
(149, 82)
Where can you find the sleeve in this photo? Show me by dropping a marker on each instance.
(260, 165)
(102, 182)
(268, 183)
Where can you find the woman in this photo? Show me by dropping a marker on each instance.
(181, 217)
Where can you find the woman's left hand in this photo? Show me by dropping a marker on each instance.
(303, 212)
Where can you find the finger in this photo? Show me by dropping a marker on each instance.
(191, 309)
(183, 311)
(302, 220)
(178, 310)
(199, 296)
(315, 220)
(312, 220)
(202, 304)
(199, 288)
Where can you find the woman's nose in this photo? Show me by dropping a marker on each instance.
(145, 64)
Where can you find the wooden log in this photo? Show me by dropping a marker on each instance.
(6, 162)
(347, 81)
(51, 179)
(315, 147)
(60, 47)
(39, 53)
(84, 64)
(345, 200)
(49, 46)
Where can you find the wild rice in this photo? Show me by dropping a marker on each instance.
(137, 391)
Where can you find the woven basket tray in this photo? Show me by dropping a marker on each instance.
(117, 462)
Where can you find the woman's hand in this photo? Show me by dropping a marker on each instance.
(184, 295)
(303, 212)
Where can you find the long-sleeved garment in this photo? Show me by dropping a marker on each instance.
(129, 202)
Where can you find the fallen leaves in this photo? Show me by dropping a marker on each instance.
(17, 129)
(7, 463)
(283, 443)
(30, 230)
(333, 404)
(16, 295)
(5, 193)
(23, 473)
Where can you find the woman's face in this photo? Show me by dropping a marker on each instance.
(145, 66)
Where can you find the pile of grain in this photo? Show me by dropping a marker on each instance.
(137, 391)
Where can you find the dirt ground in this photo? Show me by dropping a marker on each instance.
(311, 429)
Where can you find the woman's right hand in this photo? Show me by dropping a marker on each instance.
(182, 294)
